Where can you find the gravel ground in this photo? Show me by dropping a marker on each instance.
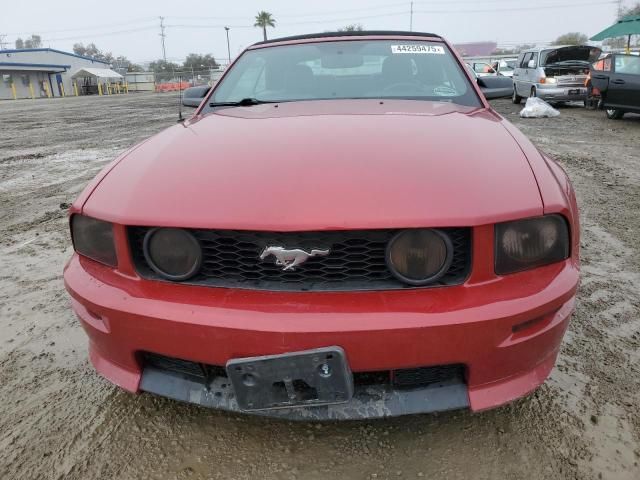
(59, 419)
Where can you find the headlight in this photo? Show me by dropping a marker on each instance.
(418, 257)
(94, 239)
(173, 253)
(530, 243)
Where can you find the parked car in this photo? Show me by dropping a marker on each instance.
(554, 74)
(482, 69)
(617, 78)
(496, 86)
(343, 229)
(193, 96)
(505, 66)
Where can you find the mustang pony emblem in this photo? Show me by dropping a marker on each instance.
(289, 259)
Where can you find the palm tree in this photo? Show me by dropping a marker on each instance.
(264, 20)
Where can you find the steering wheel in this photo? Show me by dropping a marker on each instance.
(403, 86)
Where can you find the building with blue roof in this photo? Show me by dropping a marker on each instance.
(41, 72)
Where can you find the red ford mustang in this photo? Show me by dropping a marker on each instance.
(343, 229)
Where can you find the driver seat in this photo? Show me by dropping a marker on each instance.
(397, 69)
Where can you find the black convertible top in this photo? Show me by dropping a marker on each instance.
(360, 33)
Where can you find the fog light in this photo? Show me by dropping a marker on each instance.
(418, 257)
(173, 253)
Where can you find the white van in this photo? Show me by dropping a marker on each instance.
(555, 74)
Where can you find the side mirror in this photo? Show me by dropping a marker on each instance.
(192, 97)
(531, 64)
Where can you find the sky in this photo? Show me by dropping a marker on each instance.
(197, 26)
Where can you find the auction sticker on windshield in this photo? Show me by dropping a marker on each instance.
(433, 49)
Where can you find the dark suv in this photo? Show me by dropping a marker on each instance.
(617, 77)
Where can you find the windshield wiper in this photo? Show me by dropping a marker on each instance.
(245, 102)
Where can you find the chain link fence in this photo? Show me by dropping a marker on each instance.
(175, 80)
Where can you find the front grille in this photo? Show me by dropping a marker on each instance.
(356, 262)
(182, 367)
(402, 379)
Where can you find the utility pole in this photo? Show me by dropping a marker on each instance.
(228, 47)
(162, 35)
(411, 19)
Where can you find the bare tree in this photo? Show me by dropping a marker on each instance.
(196, 61)
(354, 27)
(35, 41)
(571, 38)
(634, 10)
(513, 51)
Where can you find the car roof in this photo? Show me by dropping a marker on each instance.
(362, 33)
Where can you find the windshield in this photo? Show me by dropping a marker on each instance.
(507, 65)
(384, 69)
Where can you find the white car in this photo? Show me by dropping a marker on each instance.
(505, 66)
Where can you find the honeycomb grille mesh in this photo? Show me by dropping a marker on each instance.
(403, 378)
(356, 261)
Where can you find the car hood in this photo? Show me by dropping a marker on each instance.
(577, 53)
(323, 165)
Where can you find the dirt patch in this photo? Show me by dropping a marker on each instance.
(59, 419)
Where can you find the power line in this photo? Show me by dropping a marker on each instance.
(106, 34)
(350, 19)
(91, 28)
(349, 10)
(368, 8)
(329, 17)
(326, 16)
(383, 7)
(517, 9)
(400, 13)
(186, 25)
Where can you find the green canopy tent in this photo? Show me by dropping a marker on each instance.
(625, 27)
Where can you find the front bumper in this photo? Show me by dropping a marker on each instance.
(506, 332)
(561, 94)
(370, 401)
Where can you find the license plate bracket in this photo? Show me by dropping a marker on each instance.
(574, 91)
(298, 379)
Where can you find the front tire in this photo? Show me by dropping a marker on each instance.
(614, 113)
(515, 98)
